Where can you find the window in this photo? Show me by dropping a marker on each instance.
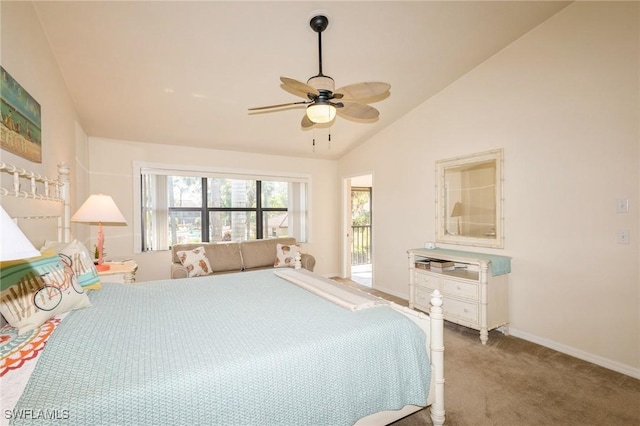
(184, 206)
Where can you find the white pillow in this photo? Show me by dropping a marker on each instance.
(286, 255)
(195, 261)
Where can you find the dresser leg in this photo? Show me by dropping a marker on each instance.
(484, 335)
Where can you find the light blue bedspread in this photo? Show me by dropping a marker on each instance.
(239, 349)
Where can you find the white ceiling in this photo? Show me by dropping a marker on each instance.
(185, 73)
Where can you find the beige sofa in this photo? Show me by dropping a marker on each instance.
(237, 256)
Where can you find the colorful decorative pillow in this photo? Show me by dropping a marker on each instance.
(37, 289)
(286, 255)
(81, 262)
(17, 349)
(195, 261)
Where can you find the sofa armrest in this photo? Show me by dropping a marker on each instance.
(178, 271)
(308, 261)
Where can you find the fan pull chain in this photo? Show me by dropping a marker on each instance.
(329, 139)
(314, 141)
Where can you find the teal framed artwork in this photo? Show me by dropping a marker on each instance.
(21, 129)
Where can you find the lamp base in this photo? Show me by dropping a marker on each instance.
(103, 267)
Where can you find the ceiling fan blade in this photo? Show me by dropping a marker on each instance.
(298, 86)
(362, 91)
(306, 123)
(358, 111)
(279, 105)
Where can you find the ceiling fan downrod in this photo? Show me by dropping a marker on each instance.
(318, 24)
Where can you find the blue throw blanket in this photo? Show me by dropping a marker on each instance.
(240, 349)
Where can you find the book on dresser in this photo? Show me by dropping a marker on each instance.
(422, 264)
(441, 265)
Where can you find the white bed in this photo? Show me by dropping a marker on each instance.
(114, 300)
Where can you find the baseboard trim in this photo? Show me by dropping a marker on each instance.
(585, 356)
(404, 296)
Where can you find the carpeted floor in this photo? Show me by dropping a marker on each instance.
(513, 382)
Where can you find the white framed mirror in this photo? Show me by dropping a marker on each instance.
(469, 200)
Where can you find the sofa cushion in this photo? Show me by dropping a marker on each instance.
(224, 256)
(261, 253)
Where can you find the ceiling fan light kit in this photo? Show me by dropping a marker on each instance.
(320, 93)
(321, 112)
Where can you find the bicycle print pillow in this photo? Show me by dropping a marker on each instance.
(82, 262)
(37, 289)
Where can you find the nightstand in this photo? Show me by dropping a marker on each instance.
(120, 272)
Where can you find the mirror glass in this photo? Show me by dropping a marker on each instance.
(469, 200)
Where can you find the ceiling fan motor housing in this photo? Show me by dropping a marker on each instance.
(322, 82)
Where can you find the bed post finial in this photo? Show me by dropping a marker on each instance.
(63, 170)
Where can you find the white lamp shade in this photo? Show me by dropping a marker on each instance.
(13, 243)
(321, 112)
(99, 208)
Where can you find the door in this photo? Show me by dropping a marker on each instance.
(359, 230)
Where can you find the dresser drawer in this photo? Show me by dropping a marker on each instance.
(464, 311)
(427, 281)
(465, 289)
(423, 299)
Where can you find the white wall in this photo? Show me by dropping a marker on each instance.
(27, 57)
(563, 102)
(111, 165)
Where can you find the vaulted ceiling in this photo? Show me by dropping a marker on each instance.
(185, 73)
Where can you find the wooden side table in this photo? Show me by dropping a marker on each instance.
(120, 272)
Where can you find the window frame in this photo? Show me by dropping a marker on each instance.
(216, 172)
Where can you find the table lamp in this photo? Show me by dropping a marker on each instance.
(457, 212)
(99, 208)
(14, 244)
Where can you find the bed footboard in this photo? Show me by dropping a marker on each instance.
(433, 327)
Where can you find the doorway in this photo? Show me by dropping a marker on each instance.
(359, 230)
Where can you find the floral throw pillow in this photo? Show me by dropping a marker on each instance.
(286, 255)
(195, 262)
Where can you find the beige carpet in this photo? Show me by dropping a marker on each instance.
(514, 382)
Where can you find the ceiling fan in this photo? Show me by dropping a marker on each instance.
(320, 94)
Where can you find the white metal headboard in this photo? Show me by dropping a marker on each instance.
(35, 201)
